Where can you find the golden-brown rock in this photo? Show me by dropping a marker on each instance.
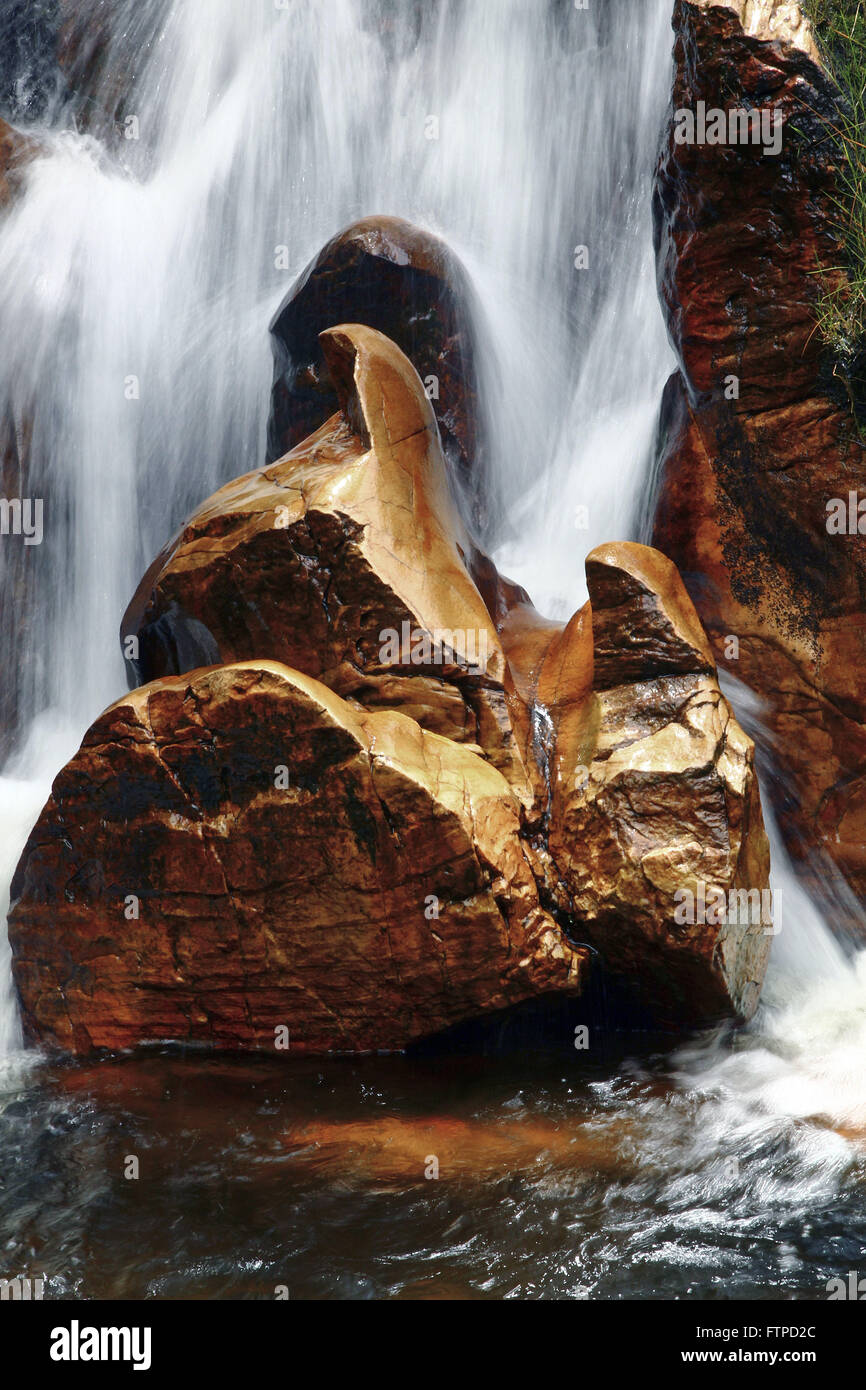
(408, 284)
(345, 560)
(409, 829)
(758, 435)
(237, 851)
(655, 809)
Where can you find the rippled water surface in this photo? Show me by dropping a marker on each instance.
(632, 1178)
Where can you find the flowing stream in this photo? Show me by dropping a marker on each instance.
(137, 279)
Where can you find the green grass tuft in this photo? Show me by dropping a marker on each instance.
(840, 31)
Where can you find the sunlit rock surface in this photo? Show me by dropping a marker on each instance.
(294, 826)
(652, 797)
(405, 282)
(655, 801)
(238, 851)
(746, 478)
(345, 559)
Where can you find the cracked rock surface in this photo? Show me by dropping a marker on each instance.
(176, 887)
(746, 478)
(286, 827)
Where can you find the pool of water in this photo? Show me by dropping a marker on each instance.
(524, 1175)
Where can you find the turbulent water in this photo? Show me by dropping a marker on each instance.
(137, 278)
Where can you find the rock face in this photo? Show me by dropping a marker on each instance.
(370, 848)
(101, 48)
(294, 864)
(407, 284)
(758, 433)
(345, 560)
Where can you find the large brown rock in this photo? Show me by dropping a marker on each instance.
(345, 560)
(655, 806)
(238, 849)
(746, 478)
(176, 888)
(247, 846)
(405, 282)
(648, 787)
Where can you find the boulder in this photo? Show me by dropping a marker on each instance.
(759, 431)
(655, 810)
(296, 823)
(345, 560)
(238, 851)
(405, 282)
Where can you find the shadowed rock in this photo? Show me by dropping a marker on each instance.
(18, 561)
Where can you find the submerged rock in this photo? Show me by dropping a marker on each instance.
(237, 851)
(758, 432)
(407, 284)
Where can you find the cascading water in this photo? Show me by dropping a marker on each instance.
(137, 278)
(136, 327)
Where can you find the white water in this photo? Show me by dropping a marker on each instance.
(263, 127)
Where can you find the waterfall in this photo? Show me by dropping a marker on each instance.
(138, 276)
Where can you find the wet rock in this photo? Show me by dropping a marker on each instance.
(655, 809)
(238, 851)
(758, 432)
(346, 560)
(28, 68)
(102, 49)
(373, 848)
(17, 576)
(405, 282)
